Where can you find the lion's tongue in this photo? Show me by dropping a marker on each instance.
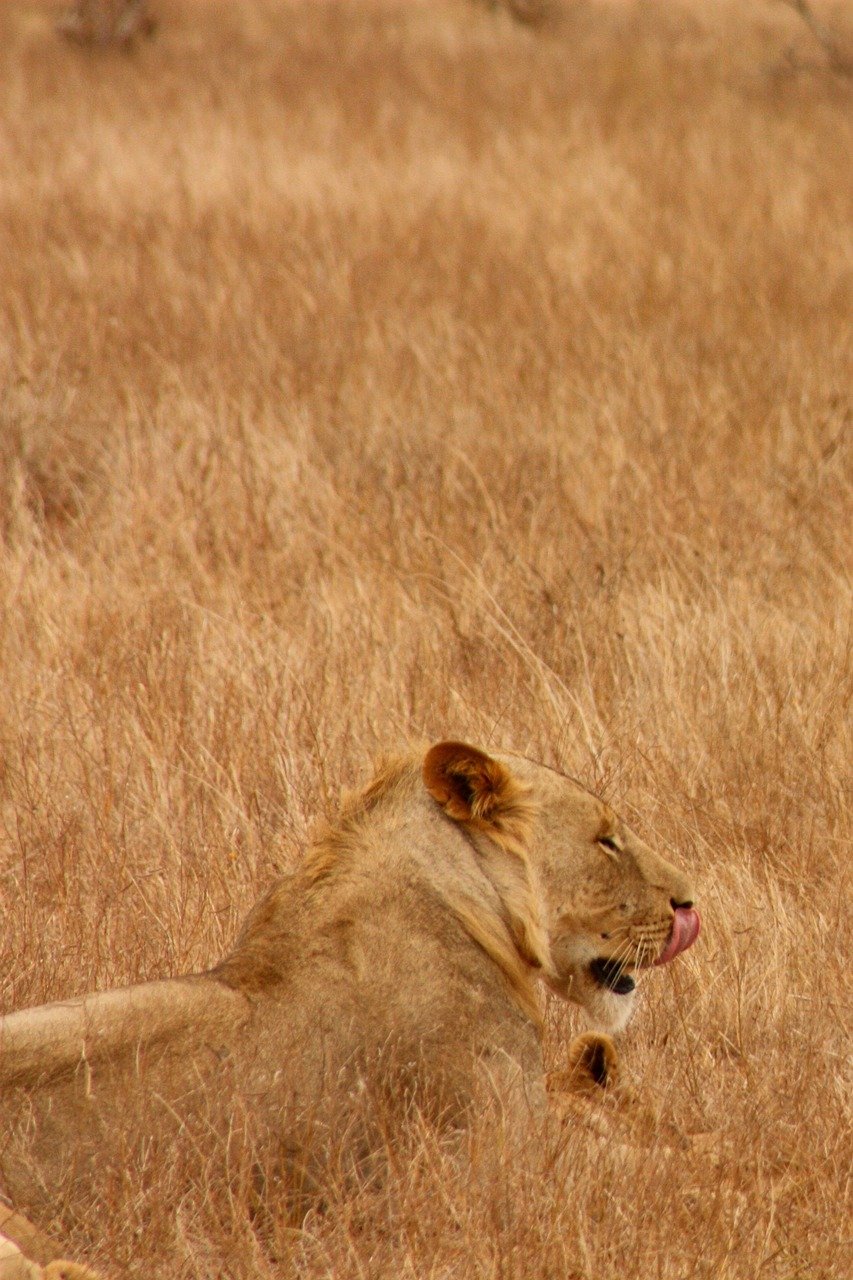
(685, 931)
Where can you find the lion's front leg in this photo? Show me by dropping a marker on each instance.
(592, 1090)
(592, 1066)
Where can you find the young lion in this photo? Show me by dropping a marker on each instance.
(400, 959)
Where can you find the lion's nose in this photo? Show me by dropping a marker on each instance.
(675, 903)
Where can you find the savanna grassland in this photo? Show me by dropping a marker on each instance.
(382, 371)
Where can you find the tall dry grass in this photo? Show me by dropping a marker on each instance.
(372, 371)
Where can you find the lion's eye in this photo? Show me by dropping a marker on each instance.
(609, 843)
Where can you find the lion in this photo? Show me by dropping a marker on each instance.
(409, 946)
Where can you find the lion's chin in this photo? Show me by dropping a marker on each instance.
(607, 1009)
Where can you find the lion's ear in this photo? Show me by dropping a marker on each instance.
(477, 790)
(469, 785)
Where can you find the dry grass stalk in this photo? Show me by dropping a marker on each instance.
(375, 372)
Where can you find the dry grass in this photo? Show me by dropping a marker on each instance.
(372, 371)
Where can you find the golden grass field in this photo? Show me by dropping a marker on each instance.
(378, 371)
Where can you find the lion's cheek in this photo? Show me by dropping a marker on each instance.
(570, 961)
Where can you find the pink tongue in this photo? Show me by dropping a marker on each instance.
(685, 931)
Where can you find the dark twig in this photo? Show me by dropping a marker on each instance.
(838, 60)
(530, 13)
(106, 23)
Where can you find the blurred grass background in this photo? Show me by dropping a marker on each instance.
(372, 371)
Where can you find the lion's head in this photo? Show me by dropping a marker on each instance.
(588, 903)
